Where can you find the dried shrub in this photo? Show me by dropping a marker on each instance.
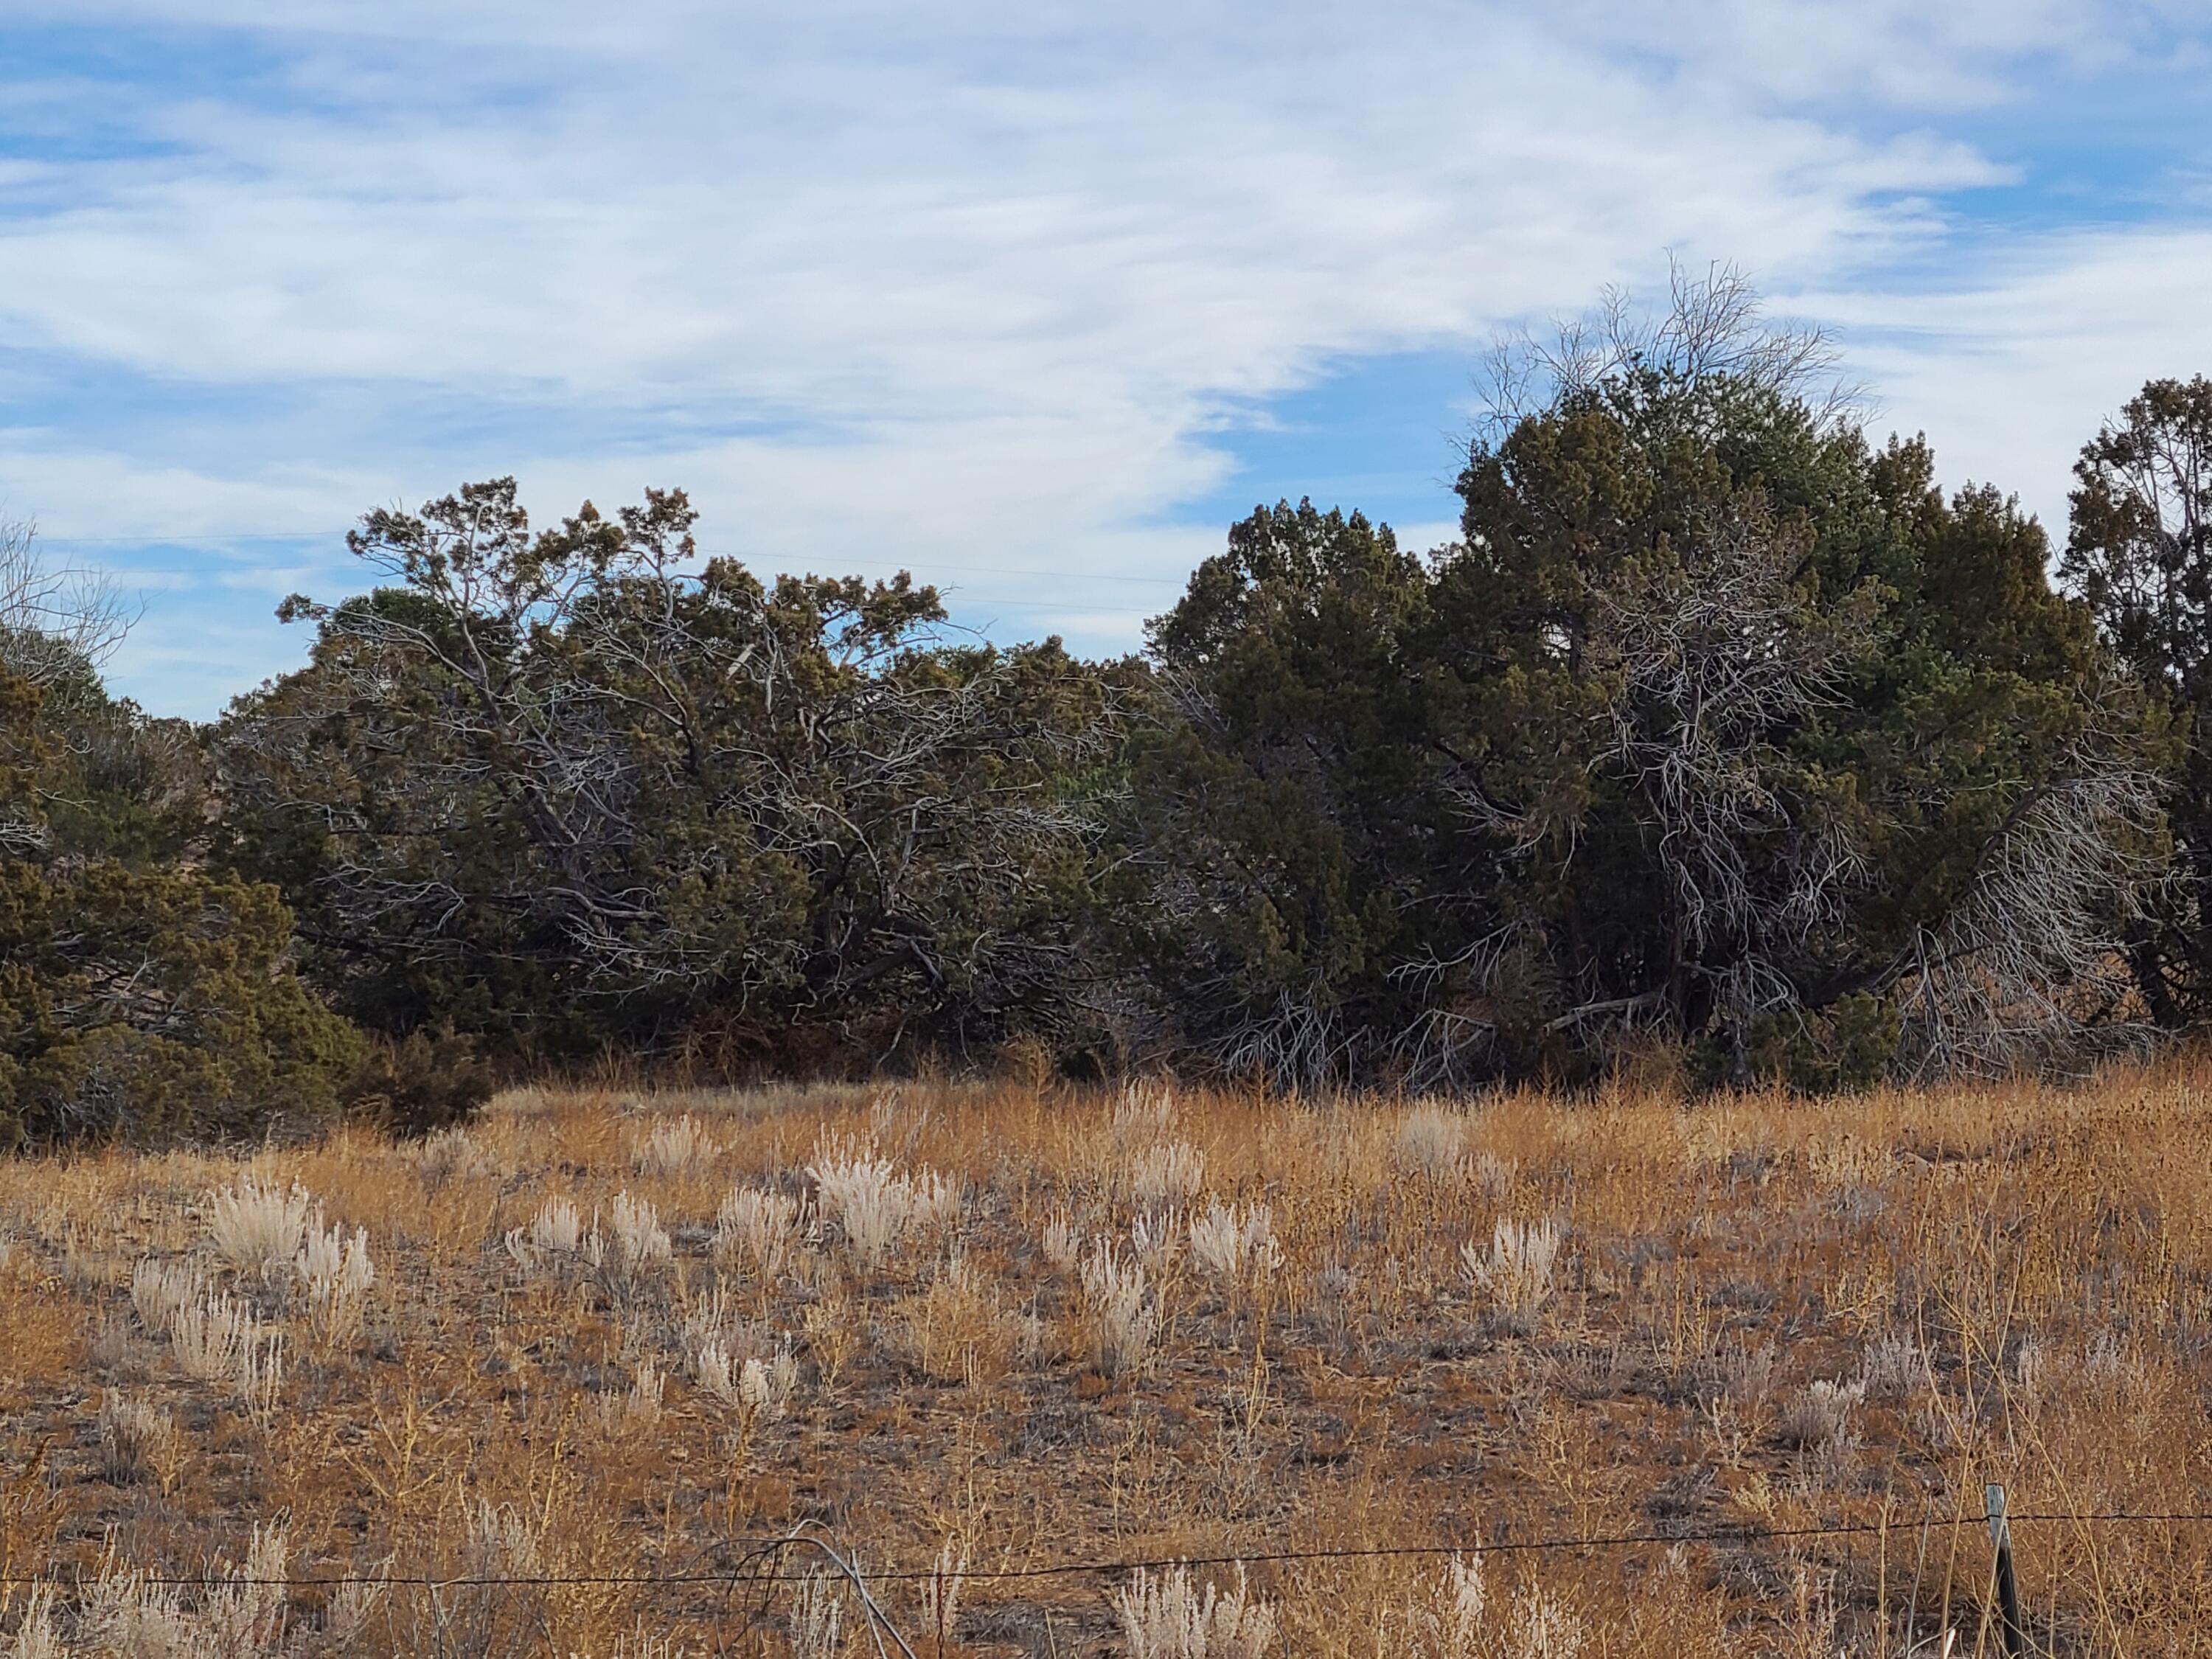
(1517, 1273)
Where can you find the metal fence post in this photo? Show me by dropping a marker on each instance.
(2015, 1644)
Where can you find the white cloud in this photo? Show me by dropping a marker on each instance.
(2010, 371)
(963, 285)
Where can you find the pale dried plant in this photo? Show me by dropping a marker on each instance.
(1892, 1367)
(2107, 1365)
(818, 1618)
(257, 1229)
(863, 1194)
(1230, 1244)
(7, 1248)
(628, 1258)
(1167, 1173)
(1517, 1274)
(1165, 1617)
(246, 1611)
(1430, 1141)
(675, 1146)
(35, 1636)
(1730, 1429)
(1155, 1237)
(454, 1154)
(834, 1328)
(335, 1274)
(638, 1232)
(872, 1203)
(259, 1378)
(220, 1338)
(1062, 1242)
(2030, 1373)
(1491, 1176)
(161, 1289)
(715, 1321)
(761, 1228)
(891, 1110)
(1336, 1288)
(934, 1201)
(1446, 1623)
(638, 1405)
(501, 1544)
(759, 1389)
(1818, 1417)
(243, 1611)
(940, 1591)
(1544, 1627)
(1145, 1113)
(1124, 1318)
(350, 1607)
(642, 1644)
(138, 1440)
(554, 1235)
(210, 1334)
(1748, 1373)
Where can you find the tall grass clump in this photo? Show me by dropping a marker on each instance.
(1124, 1318)
(1517, 1273)
(257, 1229)
(1165, 1616)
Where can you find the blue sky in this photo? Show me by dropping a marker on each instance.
(1031, 299)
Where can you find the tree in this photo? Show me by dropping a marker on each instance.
(564, 788)
(140, 995)
(1273, 827)
(1716, 724)
(2139, 550)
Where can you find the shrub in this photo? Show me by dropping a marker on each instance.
(1124, 1318)
(257, 1229)
(1169, 1173)
(1166, 1618)
(760, 1225)
(1228, 1244)
(674, 1146)
(334, 1271)
(425, 1082)
(1516, 1271)
(142, 996)
(1430, 1139)
(137, 1440)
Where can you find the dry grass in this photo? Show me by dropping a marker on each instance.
(973, 1328)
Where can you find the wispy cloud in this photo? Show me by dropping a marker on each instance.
(966, 286)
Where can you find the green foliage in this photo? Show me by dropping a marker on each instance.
(2140, 553)
(140, 995)
(1717, 723)
(417, 1084)
(1718, 730)
(559, 792)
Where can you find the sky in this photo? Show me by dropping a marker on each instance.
(1031, 299)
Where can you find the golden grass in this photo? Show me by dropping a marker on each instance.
(1764, 1315)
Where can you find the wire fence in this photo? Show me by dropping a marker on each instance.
(748, 1569)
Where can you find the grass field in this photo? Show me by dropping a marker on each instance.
(959, 1331)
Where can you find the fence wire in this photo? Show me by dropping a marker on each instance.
(761, 1551)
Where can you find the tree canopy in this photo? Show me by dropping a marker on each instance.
(1718, 729)
(572, 788)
